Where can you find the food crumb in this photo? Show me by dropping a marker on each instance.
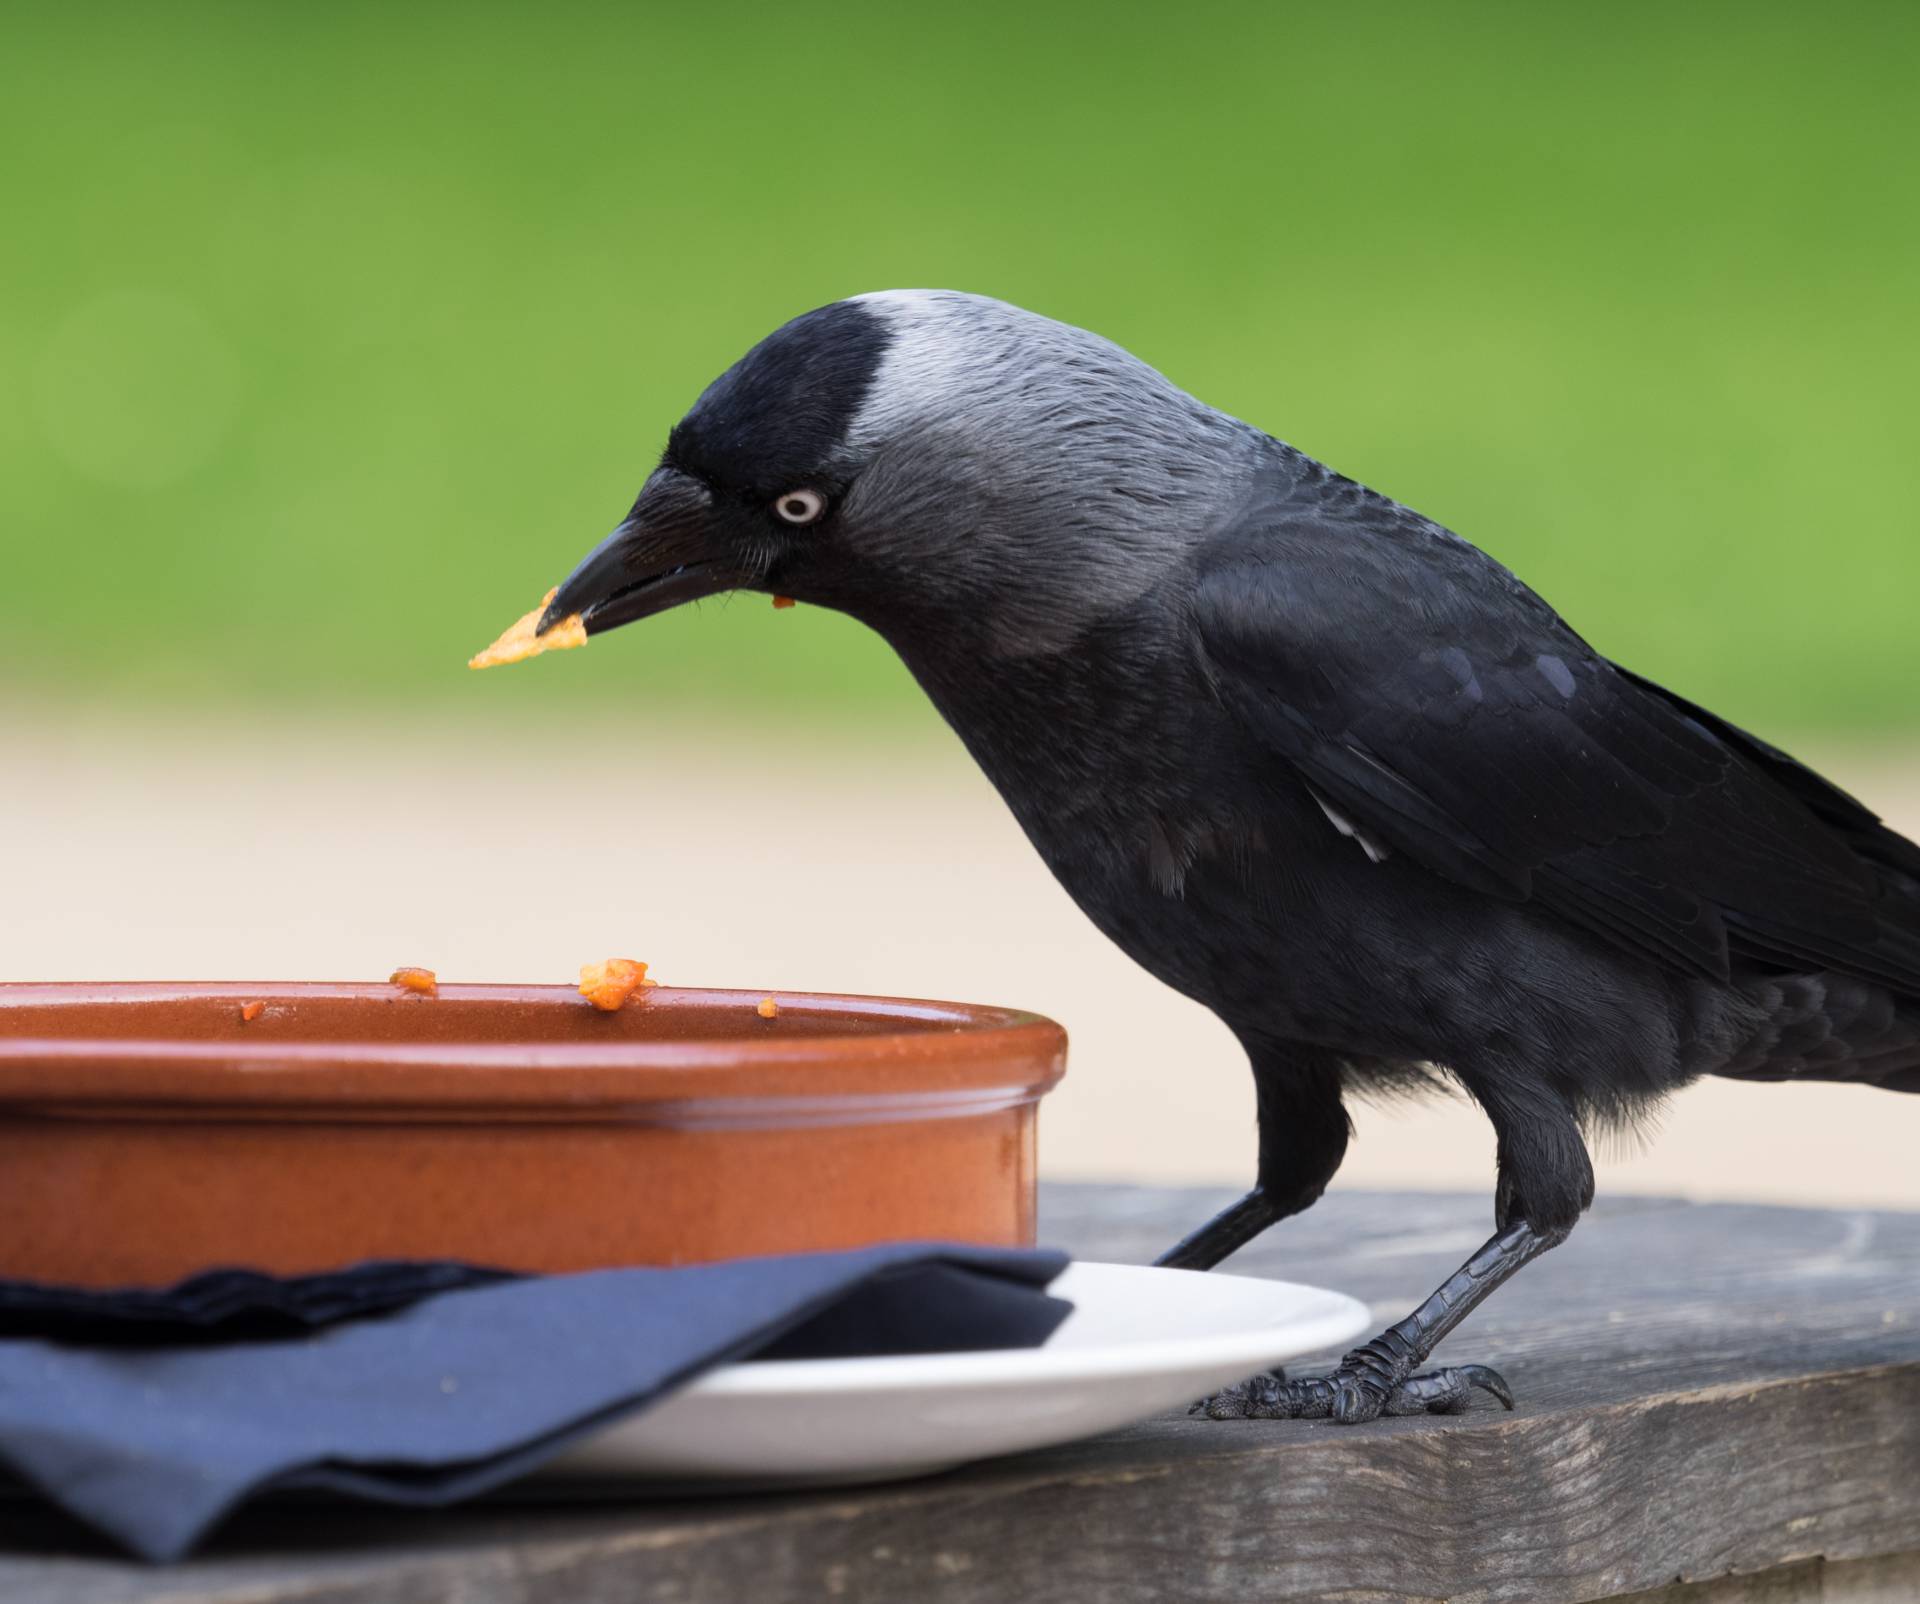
(608, 985)
(783, 601)
(249, 1012)
(518, 642)
(423, 981)
(766, 1008)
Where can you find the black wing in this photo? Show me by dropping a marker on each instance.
(1433, 700)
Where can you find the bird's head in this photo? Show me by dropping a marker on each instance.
(921, 459)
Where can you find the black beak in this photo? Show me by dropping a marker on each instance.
(658, 558)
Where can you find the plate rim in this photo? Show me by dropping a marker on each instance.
(1340, 1317)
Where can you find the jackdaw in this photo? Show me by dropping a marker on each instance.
(1308, 757)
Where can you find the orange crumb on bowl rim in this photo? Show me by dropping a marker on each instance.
(410, 978)
(249, 1012)
(518, 641)
(766, 1008)
(610, 983)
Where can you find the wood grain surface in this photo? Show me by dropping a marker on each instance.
(1706, 1392)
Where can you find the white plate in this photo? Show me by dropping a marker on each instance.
(1139, 1341)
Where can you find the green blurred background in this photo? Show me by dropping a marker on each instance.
(330, 336)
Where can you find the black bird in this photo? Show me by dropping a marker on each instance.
(1307, 756)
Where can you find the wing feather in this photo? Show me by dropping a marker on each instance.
(1434, 700)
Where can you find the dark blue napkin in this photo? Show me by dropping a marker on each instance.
(228, 1305)
(461, 1391)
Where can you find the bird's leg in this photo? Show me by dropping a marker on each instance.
(1303, 1137)
(1232, 1228)
(1546, 1181)
(1378, 1378)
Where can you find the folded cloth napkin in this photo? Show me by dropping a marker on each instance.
(225, 1305)
(456, 1393)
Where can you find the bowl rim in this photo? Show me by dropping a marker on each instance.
(944, 1057)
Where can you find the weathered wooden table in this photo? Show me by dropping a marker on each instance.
(1716, 1403)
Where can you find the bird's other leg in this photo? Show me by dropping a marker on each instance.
(1546, 1181)
(1303, 1137)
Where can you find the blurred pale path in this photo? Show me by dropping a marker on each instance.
(261, 848)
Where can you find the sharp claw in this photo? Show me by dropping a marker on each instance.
(1489, 1381)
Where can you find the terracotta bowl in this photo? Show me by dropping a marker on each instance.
(149, 1131)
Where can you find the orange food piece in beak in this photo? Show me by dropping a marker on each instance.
(519, 642)
(610, 984)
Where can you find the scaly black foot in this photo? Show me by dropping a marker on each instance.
(1378, 1377)
(1350, 1396)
